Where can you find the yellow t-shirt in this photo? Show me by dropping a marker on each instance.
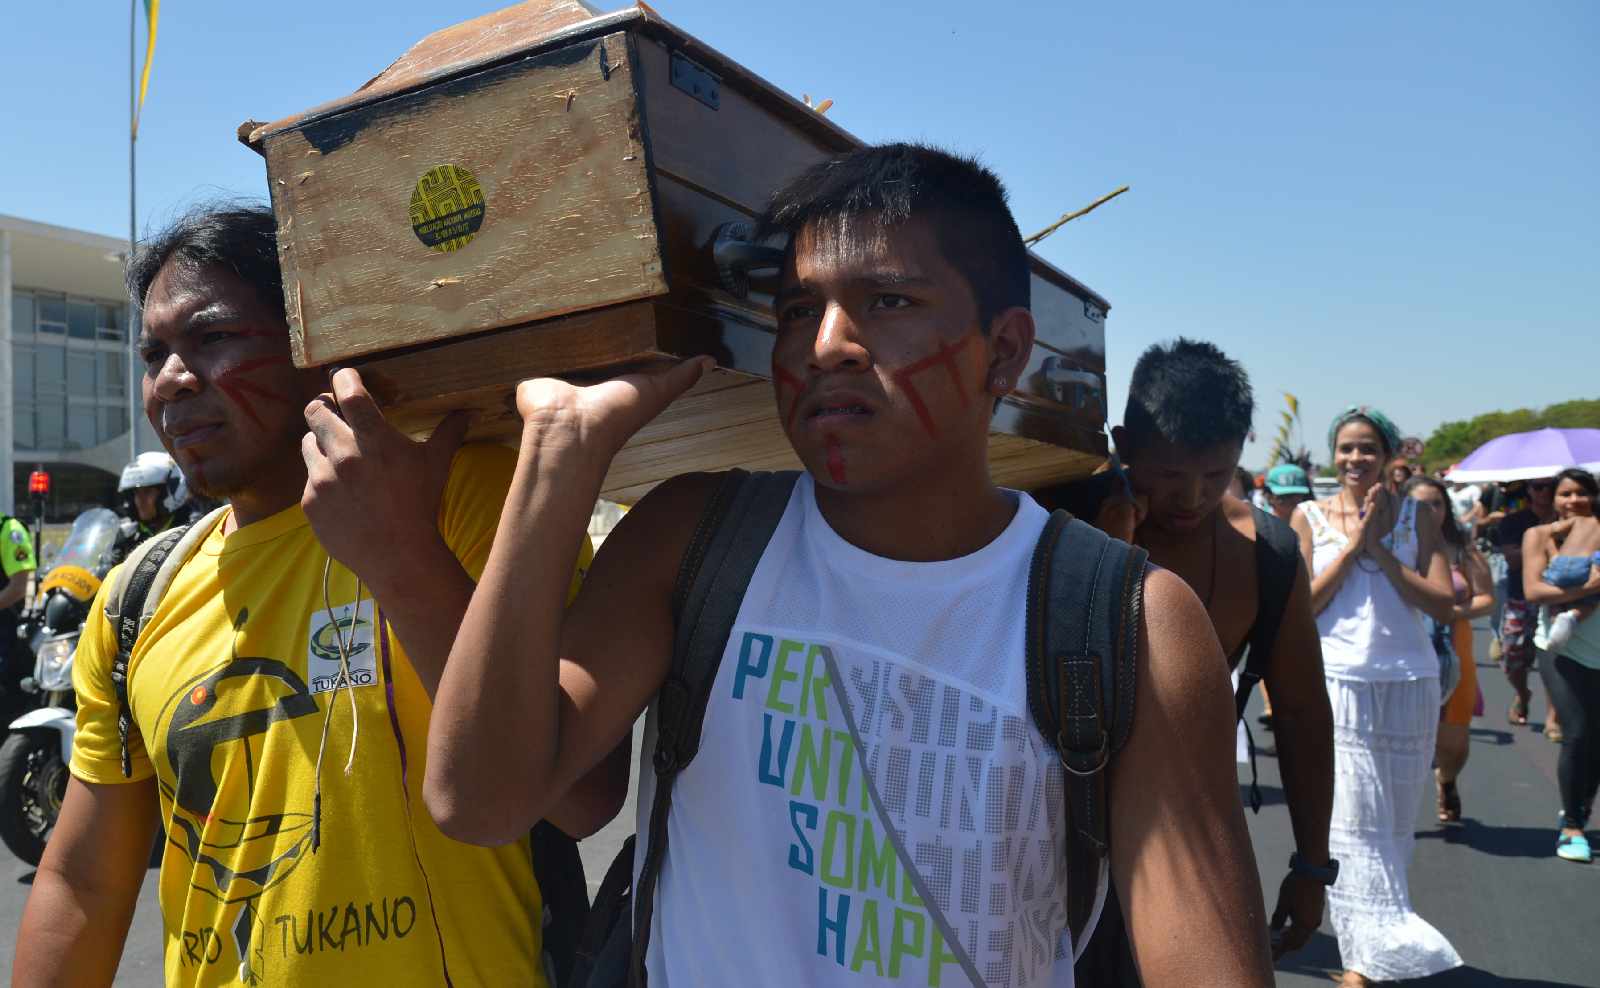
(229, 687)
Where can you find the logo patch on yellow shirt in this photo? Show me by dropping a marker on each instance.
(322, 647)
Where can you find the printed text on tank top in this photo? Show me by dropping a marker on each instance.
(774, 807)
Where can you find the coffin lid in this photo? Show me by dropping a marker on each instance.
(537, 26)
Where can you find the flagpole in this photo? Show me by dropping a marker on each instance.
(133, 233)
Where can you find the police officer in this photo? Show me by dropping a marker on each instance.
(16, 566)
(153, 494)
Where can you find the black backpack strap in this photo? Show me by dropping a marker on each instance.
(132, 599)
(1277, 569)
(129, 607)
(564, 890)
(1084, 611)
(718, 564)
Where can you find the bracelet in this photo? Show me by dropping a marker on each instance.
(1326, 874)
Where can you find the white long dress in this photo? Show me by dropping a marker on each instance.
(1383, 685)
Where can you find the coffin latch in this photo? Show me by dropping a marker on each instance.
(741, 262)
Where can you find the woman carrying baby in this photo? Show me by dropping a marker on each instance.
(1557, 571)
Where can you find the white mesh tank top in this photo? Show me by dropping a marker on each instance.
(778, 870)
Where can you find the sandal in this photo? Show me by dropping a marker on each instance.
(1518, 714)
(1449, 803)
(1552, 732)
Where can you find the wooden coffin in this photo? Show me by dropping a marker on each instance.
(544, 191)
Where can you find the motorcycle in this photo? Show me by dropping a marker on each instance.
(38, 746)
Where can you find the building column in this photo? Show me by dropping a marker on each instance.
(7, 406)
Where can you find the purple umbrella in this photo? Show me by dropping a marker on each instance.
(1530, 456)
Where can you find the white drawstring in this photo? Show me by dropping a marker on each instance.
(349, 688)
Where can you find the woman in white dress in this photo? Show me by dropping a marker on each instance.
(1377, 571)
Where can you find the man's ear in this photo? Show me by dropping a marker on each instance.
(1010, 345)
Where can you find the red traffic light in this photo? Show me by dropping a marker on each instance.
(38, 482)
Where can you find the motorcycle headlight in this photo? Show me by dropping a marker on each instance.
(53, 663)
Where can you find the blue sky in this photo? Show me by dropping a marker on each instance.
(1378, 202)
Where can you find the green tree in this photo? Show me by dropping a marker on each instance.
(1581, 414)
(1453, 441)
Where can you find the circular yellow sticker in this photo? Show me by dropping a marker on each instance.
(447, 208)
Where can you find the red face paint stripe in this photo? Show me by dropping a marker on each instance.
(945, 355)
(259, 362)
(835, 460)
(236, 391)
(784, 379)
(239, 389)
(921, 409)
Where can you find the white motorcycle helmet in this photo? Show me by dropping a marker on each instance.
(156, 469)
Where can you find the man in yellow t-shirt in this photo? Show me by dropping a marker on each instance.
(280, 704)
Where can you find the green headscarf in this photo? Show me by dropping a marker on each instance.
(1378, 420)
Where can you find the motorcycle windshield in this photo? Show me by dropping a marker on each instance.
(89, 544)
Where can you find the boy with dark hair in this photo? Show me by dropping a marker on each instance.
(1188, 414)
(889, 601)
(1187, 393)
(261, 657)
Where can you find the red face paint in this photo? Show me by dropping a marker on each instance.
(230, 382)
(835, 460)
(945, 356)
(783, 379)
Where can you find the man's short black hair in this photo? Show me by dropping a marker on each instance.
(891, 183)
(1190, 394)
(242, 237)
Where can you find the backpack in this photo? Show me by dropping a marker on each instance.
(1084, 609)
(1277, 568)
(132, 600)
(1108, 957)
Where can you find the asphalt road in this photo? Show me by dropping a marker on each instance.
(1519, 916)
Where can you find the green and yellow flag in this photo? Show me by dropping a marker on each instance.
(152, 11)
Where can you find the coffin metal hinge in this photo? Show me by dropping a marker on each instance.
(696, 80)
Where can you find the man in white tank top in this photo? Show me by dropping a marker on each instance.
(892, 590)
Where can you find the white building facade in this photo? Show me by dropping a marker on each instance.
(64, 365)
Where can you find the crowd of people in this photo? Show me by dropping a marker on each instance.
(351, 699)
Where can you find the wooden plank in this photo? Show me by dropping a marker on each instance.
(472, 43)
(1038, 465)
(747, 445)
(726, 421)
(1014, 462)
(567, 224)
(714, 405)
(571, 344)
